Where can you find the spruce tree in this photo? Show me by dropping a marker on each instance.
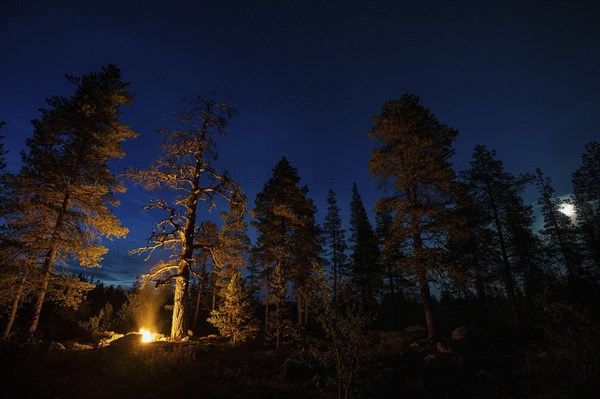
(60, 205)
(233, 242)
(186, 168)
(335, 242)
(365, 271)
(413, 165)
(234, 318)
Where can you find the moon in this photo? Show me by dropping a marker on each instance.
(567, 209)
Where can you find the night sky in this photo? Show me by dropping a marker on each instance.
(520, 77)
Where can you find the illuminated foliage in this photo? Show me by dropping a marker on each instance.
(234, 318)
(60, 202)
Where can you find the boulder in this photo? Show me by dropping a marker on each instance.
(56, 346)
(108, 339)
(415, 332)
(460, 333)
(82, 347)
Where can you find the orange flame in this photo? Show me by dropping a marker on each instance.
(147, 336)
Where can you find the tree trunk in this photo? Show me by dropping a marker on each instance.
(508, 278)
(178, 326)
(423, 282)
(15, 305)
(42, 295)
(48, 266)
(427, 303)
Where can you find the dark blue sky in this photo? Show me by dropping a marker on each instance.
(521, 77)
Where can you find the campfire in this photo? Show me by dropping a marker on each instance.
(148, 336)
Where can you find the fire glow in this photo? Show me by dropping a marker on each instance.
(147, 336)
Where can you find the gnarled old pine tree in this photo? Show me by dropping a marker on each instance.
(185, 167)
(60, 201)
(413, 164)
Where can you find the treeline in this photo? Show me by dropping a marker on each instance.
(458, 244)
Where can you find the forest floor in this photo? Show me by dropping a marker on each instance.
(212, 368)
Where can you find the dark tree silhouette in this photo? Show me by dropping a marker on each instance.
(365, 272)
(287, 234)
(586, 198)
(335, 242)
(413, 164)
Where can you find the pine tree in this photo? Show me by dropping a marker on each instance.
(186, 167)
(503, 218)
(233, 239)
(335, 242)
(525, 248)
(413, 164)
(287, 234)
(60, 201)
(558, 230)
(234, 318)
(586, 198)
(365, 271)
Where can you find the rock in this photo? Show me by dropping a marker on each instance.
(107, 340)
(56, 346)
(460, 333)
(443, 348)
(415, 332)
(81, 347)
